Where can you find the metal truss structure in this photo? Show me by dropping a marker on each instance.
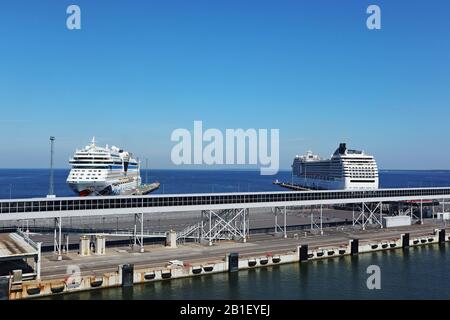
(317, 225)
(277, 211)
(227, 224)
(371, 213)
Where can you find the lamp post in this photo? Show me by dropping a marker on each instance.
(51, 191)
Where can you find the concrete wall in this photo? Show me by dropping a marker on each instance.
(113, 279)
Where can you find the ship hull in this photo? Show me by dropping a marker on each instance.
(102, 187)
(89, 188)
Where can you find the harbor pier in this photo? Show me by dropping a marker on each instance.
(223, 230)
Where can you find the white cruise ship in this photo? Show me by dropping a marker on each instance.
(347, 169)
(103, 171)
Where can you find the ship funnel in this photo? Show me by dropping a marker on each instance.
(342, 148)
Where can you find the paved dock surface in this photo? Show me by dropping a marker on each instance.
(258, 245)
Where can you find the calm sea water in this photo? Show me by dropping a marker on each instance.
(417, 273)
(24, 183)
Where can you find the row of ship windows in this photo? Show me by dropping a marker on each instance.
(328, 178)
(338, 171)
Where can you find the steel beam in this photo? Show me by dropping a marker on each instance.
(57, 243)
(368, 216)
(219, 225)
(278, 228)
(139, 238)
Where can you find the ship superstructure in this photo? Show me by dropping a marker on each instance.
(346, 169)
(103, 171)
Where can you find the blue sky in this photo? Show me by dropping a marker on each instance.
(137, 70)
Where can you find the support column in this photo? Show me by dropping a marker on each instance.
(201, 226)
(421, 211)
(248, 222)
(285, 231)
(363, 215)
(54, 238)
(321, 218)
(381, 215)
(353, 214)
(38, 262)
(134, 231)
(142, 233)
(210, 229)
(66, 238)
(244, 228)
(276, 219)
(57, 238)
(138, 217)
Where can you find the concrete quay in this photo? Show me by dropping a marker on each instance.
(125, 266)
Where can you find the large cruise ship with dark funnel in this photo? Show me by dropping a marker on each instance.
(103, 171)
(346, 169)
